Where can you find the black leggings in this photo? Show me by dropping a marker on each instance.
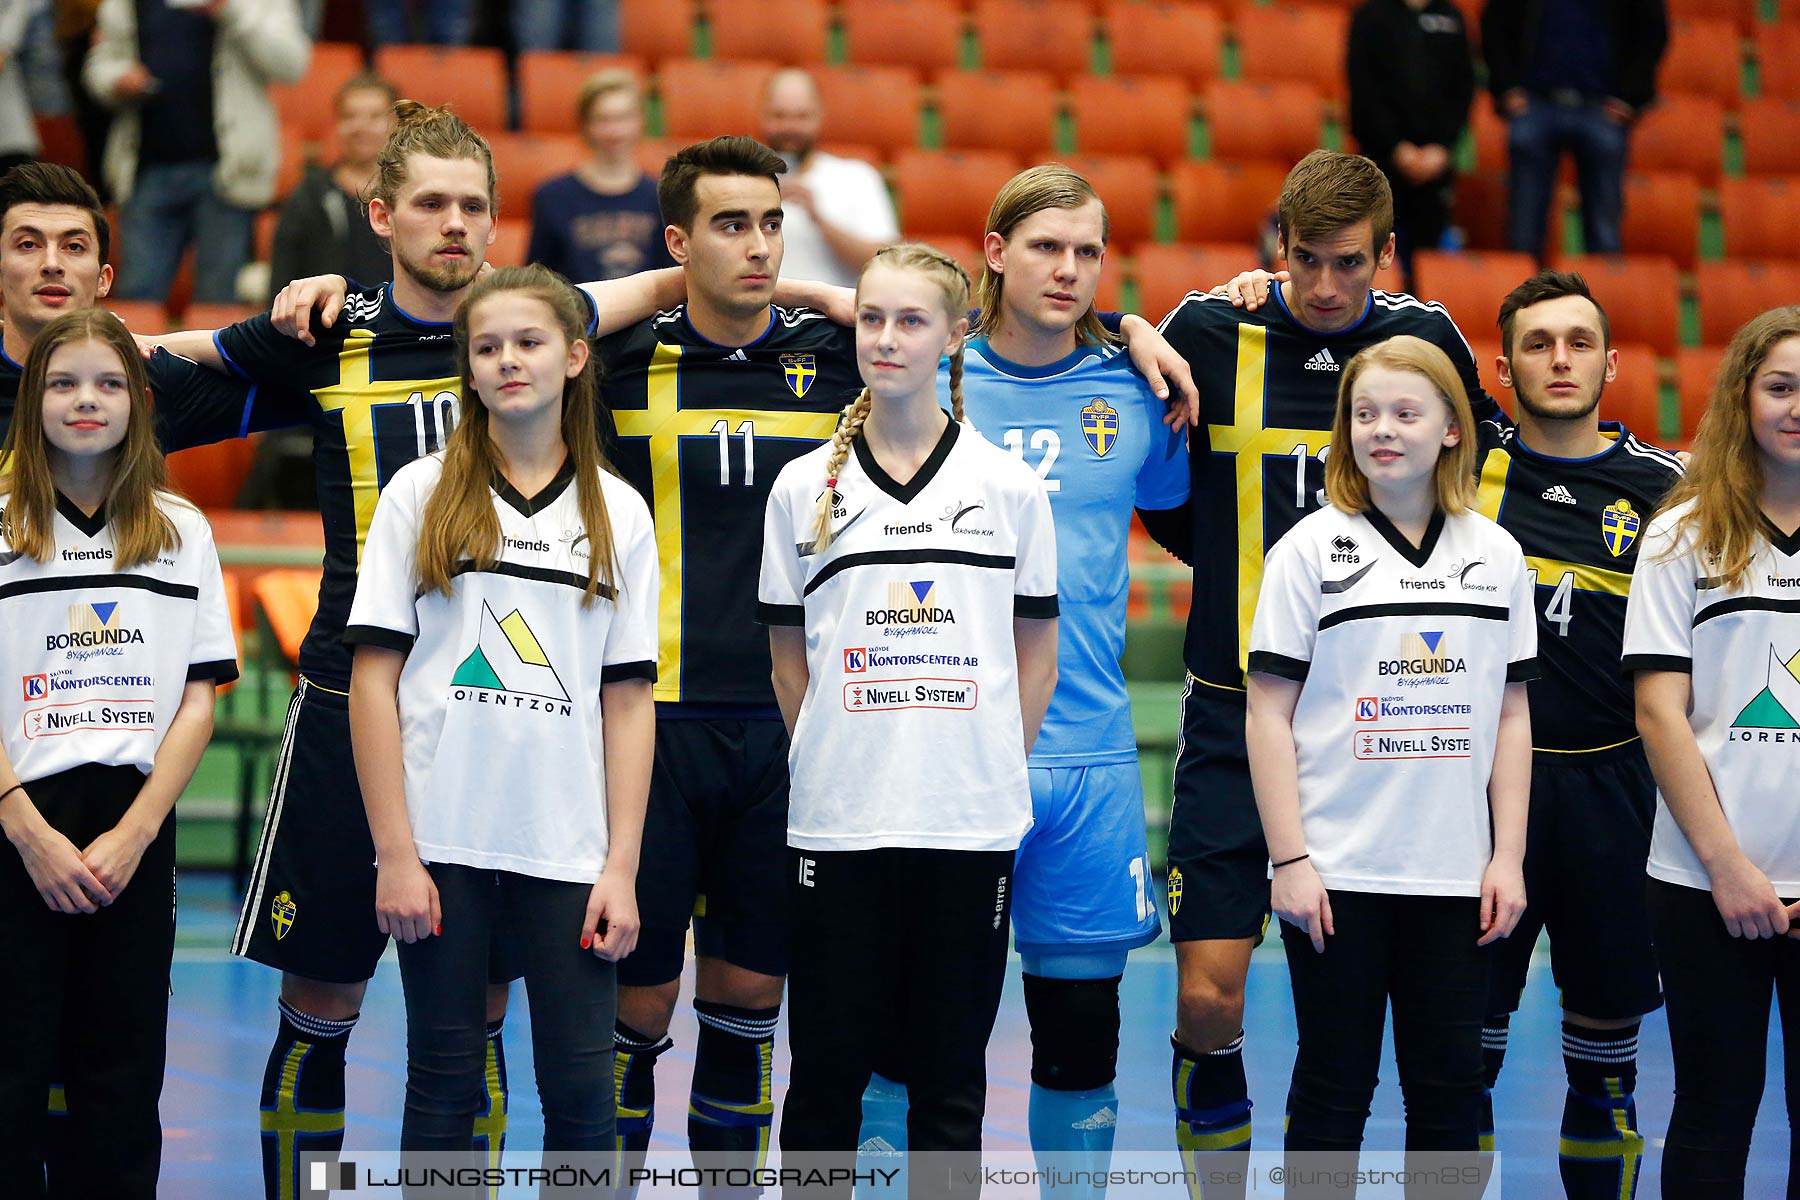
(1418, 952)
(894, 948)
(1717, 988)
(89, 991)
(574, 999)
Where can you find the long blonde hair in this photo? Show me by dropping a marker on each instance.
(141, 530)
(1031, 191)
(459, 522)
(942, 270)
(1454, 479)
(1725, 476)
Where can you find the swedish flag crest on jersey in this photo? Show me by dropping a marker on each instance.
(1619, 526)
(1100, 425)
(800, 370)
(282, 911)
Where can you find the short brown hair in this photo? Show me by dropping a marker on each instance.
(365, 81)
(1547, 285)
(677, 190)
(1345, 485)
(605, 83)
(1327, 191)
(53, 183)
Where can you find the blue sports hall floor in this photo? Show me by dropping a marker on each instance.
(223, 1013)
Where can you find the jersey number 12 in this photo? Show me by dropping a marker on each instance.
(1047, 442)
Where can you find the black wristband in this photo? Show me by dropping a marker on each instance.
(17, 787)
(1289, 862)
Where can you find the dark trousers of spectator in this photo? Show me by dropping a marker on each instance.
(1421, 213)
(1419, 954)
(1535, 142)
(1717, 989)
(446, 22)
(587, 25)
(171, 206)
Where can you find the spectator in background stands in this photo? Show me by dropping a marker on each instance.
(324, 229)
(1411, 81)
(444, 22)
(837, 210)
(601, 220)
(1570, 75)
(18, 130)
(195, 143)
(74, 32)
(590, 25)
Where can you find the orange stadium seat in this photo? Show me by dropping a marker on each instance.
(140, 316)
(1037, 35)
(1262, 120)
(1481, 209)
(1166, 273)
(212, 476)
(1777, 49)
(216, 316)
(291, 166)
(1156, 37)
(471, 79)
(705, 99)
(1704, 58)
(1128, 186)
(653, 152)
(784, 31)
(1014, 111)
(305, 107)
(657, 29)
(523, 161)
(878, 105)
(1662, 215)
(1640, 292)
(1635, 397)
(550, 84)
(1759, 216)
(926, 34)
(1110, 295)
(1696, 367)
(1224, 202)
(512, 238)
(1142, 114)
(262, 239)
(1770, 130)
(1471, 284)
(1744, 13)
(1488, 129)
(949, 191)
(1299, 44)
(1733, 291)
(1681, 133)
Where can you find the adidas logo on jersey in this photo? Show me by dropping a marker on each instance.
(1322, 361)
(1559, 493)
(1106, 1118)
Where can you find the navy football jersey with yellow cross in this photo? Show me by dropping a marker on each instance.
(1268, 391)
(702, 430)
(1579, 521)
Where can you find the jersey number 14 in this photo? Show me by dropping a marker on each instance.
(1561, 608)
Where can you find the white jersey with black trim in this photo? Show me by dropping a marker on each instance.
(910, 732)
(101, 655)
(1741, 645)
(500, 713)
(1403, 654)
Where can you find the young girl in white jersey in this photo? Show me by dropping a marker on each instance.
(505, 633)
(1387, 730)
(909, 579)
(1712, 634)
(116, 633)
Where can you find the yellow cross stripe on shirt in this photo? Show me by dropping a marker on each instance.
(664, 422)
(1550, 571)
(1249, 441)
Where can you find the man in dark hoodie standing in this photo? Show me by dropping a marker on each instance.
(1411, 81)
(1570, 75)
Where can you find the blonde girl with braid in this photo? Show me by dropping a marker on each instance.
(909, 583)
